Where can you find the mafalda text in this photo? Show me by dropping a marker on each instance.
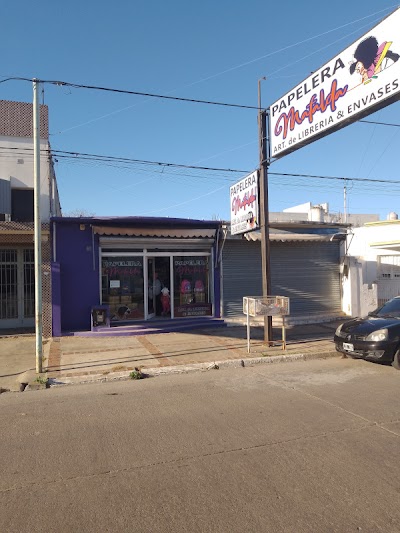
(314, 110)
(239, 200)
(294, 123)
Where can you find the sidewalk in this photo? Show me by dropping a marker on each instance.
(80, 359)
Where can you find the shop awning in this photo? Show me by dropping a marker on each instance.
(293, 237)
(204, 233)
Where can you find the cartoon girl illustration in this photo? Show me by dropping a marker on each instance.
(371, 59)
(251, 221)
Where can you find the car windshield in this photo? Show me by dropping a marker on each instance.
(390, 308)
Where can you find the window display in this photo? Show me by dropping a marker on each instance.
(191, 283)
(123, 287)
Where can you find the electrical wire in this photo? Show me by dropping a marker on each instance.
(288, 47)
(318, 50)
(82, 156)
(232, 68)
(135, 93)
(380, 123)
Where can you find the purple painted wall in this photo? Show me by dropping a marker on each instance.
(79, 274)
(56, 299)
(217, 287)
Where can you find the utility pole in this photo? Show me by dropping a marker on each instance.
(264, 212)
(345, 201)
(37, 228)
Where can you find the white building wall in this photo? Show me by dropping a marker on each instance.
(17, 167)
(16, 149)
(361, 259)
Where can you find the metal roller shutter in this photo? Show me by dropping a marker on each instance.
(306, 272)
(241, 264)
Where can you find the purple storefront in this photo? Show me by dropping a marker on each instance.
(138, 268)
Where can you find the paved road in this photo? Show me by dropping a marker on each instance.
(297, 447)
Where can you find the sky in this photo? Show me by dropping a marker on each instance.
(213, 51)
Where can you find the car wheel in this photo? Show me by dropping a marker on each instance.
(396, 360)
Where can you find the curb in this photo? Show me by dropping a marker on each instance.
(195, 367)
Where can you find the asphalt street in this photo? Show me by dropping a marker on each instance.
(311, 446)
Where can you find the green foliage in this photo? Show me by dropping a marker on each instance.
(43, 380)
(136, 374)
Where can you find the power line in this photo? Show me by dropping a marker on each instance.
(380, 123)
(341, 178)
(109, 159)
(214, 169)
(153, 95)
(138, 93)
(61, 153)
(60, 83)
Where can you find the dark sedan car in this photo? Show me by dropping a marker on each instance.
(375, 337)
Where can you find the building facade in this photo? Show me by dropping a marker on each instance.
(126, 264)
(17, 283)
(140, 268)
(371, 266)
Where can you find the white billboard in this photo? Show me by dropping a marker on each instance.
(244, 205)
(360, 80)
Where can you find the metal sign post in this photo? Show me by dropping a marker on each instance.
(264, 212)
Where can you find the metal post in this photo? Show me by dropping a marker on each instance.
(264, 213)
(248, 326)
(37, 229)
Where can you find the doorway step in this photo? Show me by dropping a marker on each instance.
(152, 327)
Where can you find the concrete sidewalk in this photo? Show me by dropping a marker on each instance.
(81, 359)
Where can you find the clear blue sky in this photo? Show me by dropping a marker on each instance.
(212, 50)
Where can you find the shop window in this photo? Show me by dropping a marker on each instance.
(191, 286)
(123, 287)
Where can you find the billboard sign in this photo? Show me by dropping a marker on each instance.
(360, 80)
(244, 205)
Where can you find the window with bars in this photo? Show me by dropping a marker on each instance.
(29, 284)
(8, 284)
(17, 284)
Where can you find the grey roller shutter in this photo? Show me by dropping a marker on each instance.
(241, 265)
(306, 272)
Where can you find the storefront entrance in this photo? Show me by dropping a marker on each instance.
(147, 286)
(159, 283)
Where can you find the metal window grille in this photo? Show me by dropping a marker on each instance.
(8, 284)
(8, 243)
(29, 284)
